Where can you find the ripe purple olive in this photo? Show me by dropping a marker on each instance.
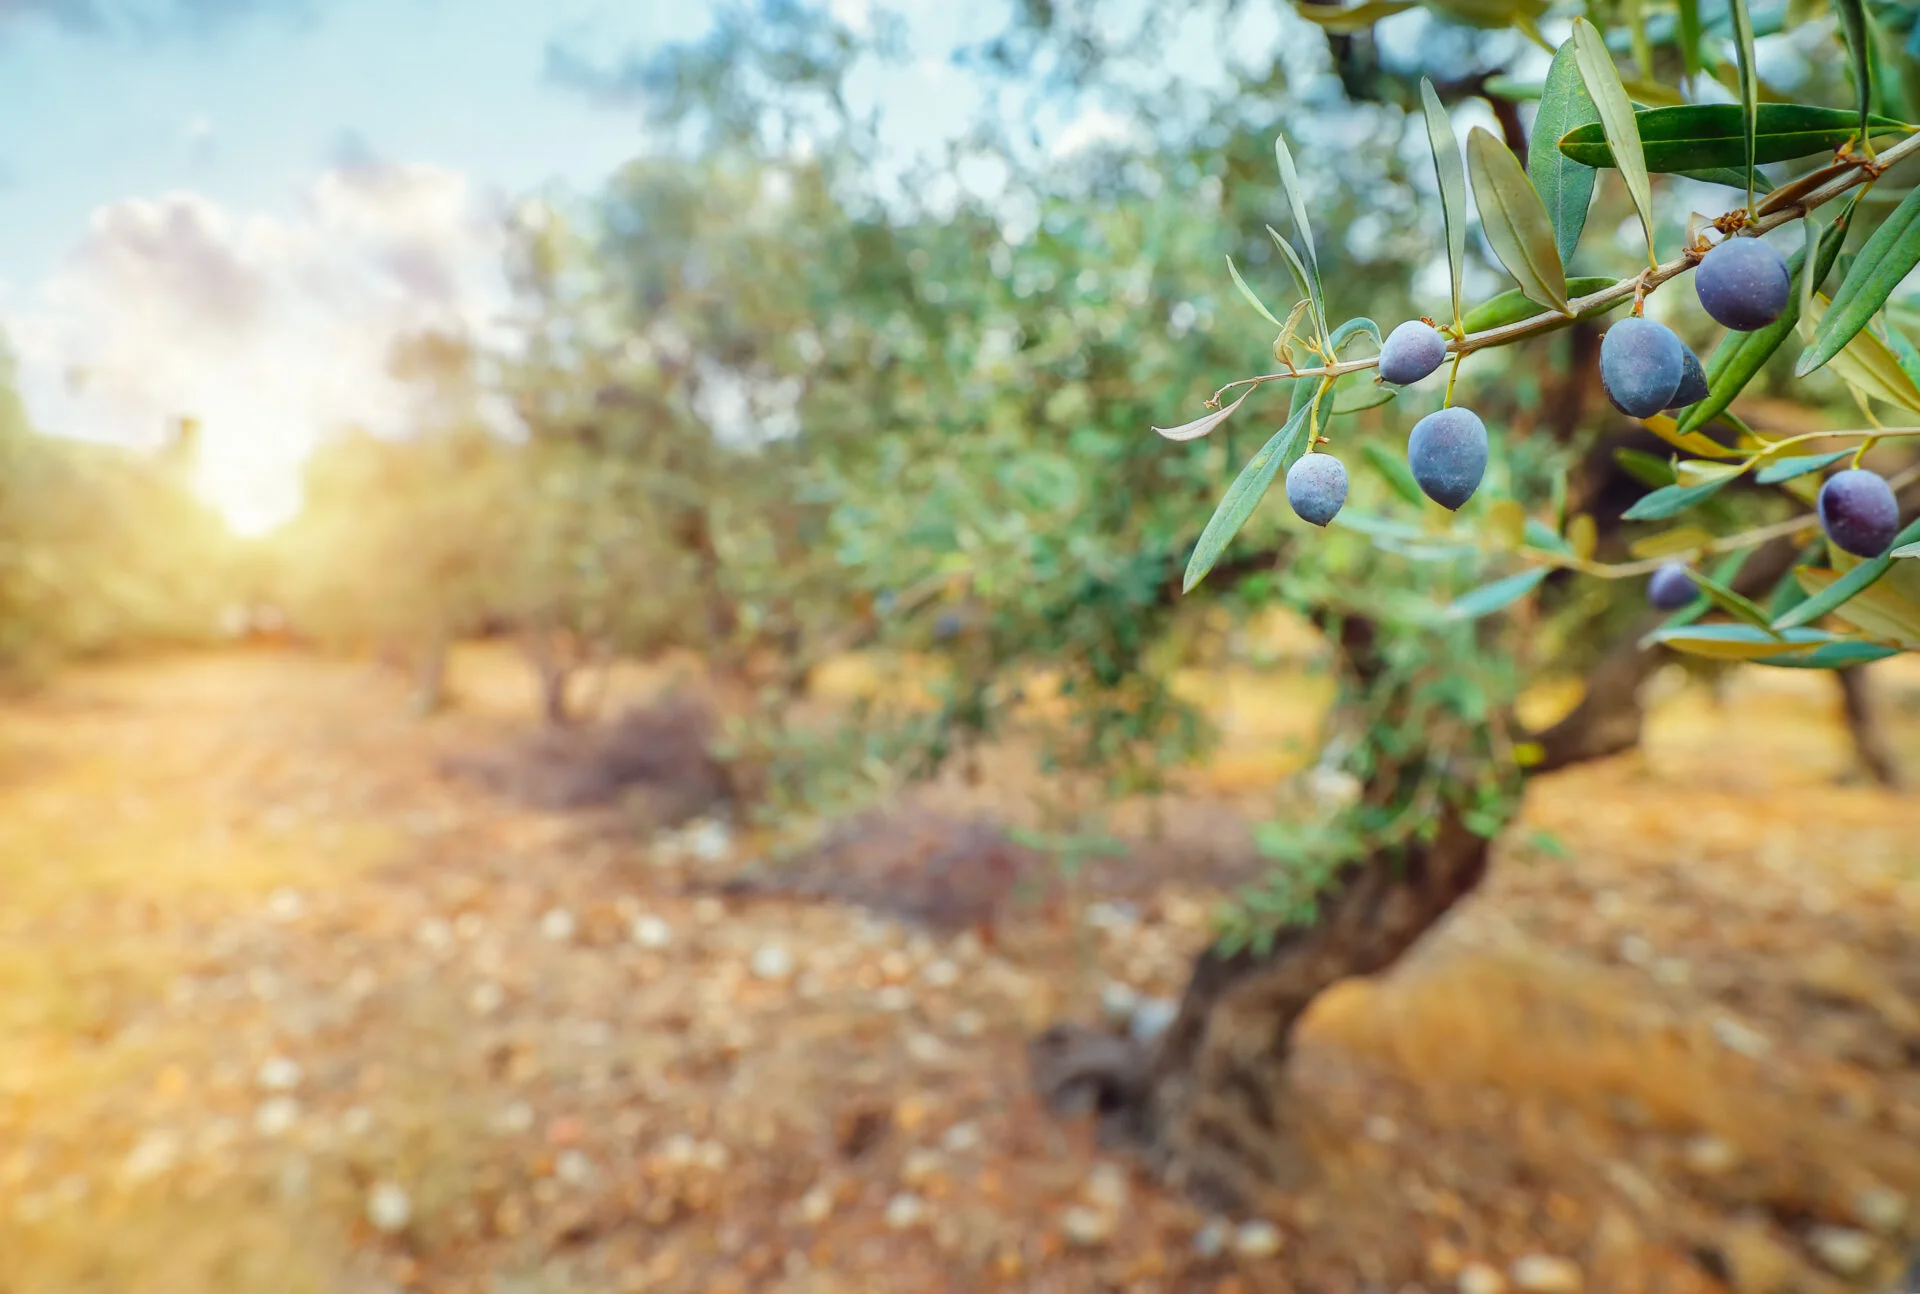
(1858, 511)
(1671, 587)
(1693, 381)
(1641, 364)
(1317, 487)
(1411, 351)
(1743, 283)
(1448, 454)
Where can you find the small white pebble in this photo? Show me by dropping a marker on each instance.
(1843, 1250)
(1634, 950)
(486, 998)
(389, 1208)
(1118, 1002)
(433, 933)
(1210, 1241)
(517, 1117)
(154, 1154)
(1880, 1208)
(712, 1156)
(1153, 1017)
(968, 1023)
(1545, 1274)
(1710, 1156)
(1257, 1239)
(285, 905)
(276, 1116)
(960, 1138)
(772, 962)
(572, 1167)
(942, 973)
(652, 932)
(1382, 1129)
(893, 997)
(355, 1120)
(1085, 1227)
(926, 1049)
(1107, 1187)
(816, 1206)
(557, 925)
(1478, 1278)
(1745, 1039)
(709, 910)
(278, 1074)
(921, 1167)
(905, 1210)
(709, 841)
(1672, 971)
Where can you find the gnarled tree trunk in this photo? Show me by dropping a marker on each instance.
(1863, 723)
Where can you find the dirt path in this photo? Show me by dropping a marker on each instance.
(285, 1010)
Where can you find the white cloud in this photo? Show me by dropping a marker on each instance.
(271, 331)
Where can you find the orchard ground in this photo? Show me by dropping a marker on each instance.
(287, 1008)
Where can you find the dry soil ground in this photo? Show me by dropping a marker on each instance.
(286, 1010)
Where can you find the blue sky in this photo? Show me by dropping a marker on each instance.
(227, 208)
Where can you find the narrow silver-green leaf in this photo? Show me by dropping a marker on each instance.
(1749, 81)
(1869, 366)
(1892, 251)
(1514, 221)
(1740, 355)
(1830, 656)
(1738, 642)
(1733, 603)
(1644, 467)
(1786, 469)
(1853, 25)
(1241, 498)
(1308, 288)
(1690, 37)
(1490, 598)
(1906, 550)
(1855, 580)
(1565, 186)
(1358, 391)
(1393, 467)
(1671, 500)
(1247, 292)
(1297, 204)
(1452, 177)
(1602, 80)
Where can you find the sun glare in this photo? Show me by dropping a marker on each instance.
(253, 484)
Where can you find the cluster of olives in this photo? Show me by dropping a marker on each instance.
(1447, 451)
(1743, 285)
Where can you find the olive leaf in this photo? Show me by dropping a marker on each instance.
(1309, 289)
(1393, 469)
(1671, 500)
(1786, 469)
(1892, 251)
(1202, 425)
(1690, 37)
(1867, 365)
(1874, 609)
(1247, 292)
(1297, 205)
(1706, 137)
(1749, 84)
(1515, 222)
(1737, 642)
(1490, 598)
(1602, 80)
(1241, 497)
(1354, 17)
(1565, 186)
(1644, 467)
(1831, 594)
(1853, 24)
(1451, 175)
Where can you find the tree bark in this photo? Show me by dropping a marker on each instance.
(1863, 724)
(430, 677)
(551, 671)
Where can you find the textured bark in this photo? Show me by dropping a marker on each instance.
(1863, 724)
(430, 678)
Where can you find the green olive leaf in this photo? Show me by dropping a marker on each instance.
(1840, 655)
(1564, 185)
(1452, 177)
(1247, 292)
(1829, 594)
(1644, 467)
(1354, 17)
(1867, 365)
(1393, 469)
(1749, 85)
(1602, 80)
(1308, 290)
(1515, 222)
(1873, 609)
(1853, 25)
(1737, 642)
(1672, 500)
(1705, 137)
(1885, 259)
(1786, 469)
(1241, 497)
(1490, 598)
(1690, 37)
(1297, 204)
